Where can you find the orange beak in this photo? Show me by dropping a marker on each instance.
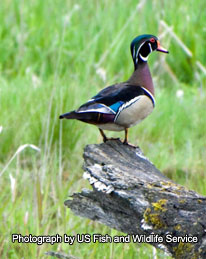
(160, 48)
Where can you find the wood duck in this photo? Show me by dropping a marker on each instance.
(121, 106)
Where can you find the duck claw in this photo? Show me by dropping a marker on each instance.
(129, 144)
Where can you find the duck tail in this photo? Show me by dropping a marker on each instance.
(88, 117)
(69, 115)
(85, 116)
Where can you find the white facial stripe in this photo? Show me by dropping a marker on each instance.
(143, 58)
(150, 47)
(140, 47)
(136, 61)
(138, 51)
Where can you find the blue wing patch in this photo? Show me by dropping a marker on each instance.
(115, 106)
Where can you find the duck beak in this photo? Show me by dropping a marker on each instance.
(160, 48)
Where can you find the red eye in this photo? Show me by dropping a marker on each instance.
(152, 40)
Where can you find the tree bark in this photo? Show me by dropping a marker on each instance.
(131, 195)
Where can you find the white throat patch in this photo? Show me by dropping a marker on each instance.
(142, 58)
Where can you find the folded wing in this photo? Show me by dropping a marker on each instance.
(107, 104)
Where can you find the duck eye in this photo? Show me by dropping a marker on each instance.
(152, 40)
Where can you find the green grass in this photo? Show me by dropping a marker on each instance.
(49, 55)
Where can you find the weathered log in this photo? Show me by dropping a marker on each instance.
(131, 195)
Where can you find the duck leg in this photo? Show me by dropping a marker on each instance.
(126, 139)
(126, 136)
(103, 135)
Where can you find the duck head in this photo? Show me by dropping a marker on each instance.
(142, 46)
